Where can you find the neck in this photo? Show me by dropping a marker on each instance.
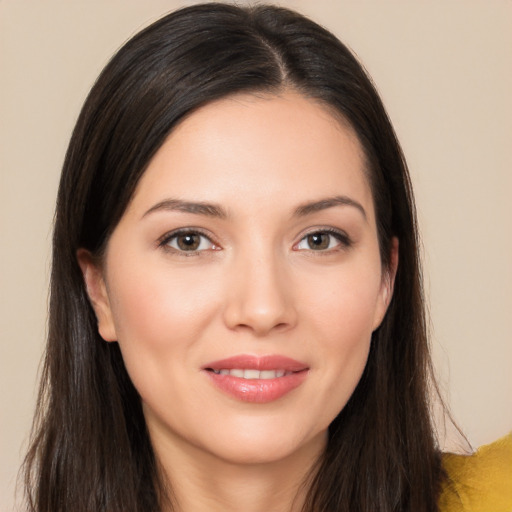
(202, 481)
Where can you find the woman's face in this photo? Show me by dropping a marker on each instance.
(244, 280)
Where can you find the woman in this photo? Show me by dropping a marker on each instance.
(236, 311)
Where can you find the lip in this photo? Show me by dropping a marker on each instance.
(257, 390)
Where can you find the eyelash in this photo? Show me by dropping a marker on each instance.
(344, 241)
(165, 241)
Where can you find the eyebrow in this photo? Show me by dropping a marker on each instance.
(198, 208)
(214, 210)
(329, 202)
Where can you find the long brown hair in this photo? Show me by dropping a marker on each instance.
(90, 449)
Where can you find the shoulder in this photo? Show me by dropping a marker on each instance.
(481, 482)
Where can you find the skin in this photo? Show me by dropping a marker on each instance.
(255, 285)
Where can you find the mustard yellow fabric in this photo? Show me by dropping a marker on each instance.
(481, 482)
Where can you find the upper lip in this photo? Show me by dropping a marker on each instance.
(252, 362)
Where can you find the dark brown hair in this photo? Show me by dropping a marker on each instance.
(91, 450)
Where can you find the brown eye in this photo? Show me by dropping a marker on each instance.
(324, 241)
(318, 241)
(188, 241)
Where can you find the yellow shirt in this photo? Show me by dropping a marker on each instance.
(481, 482)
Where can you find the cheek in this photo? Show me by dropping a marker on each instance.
(159, 316)
(342, 316)
(346, 332)
(346, 303)
(343, 359)
(158, 299)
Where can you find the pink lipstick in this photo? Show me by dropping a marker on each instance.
(256, 379)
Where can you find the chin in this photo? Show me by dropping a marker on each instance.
(264, 447)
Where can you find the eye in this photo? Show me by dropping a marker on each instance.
(323, 240)
(187, 241)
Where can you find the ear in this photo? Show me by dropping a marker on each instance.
(387, 284)
(98, 295)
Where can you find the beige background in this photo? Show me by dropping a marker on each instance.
(444, 71)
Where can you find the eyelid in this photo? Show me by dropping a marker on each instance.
(343, 238)
(164, 240)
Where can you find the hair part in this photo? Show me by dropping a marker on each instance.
(90, 449)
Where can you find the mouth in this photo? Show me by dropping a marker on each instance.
(256, 379)
(250, 374)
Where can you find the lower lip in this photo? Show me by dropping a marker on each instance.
(258, 391)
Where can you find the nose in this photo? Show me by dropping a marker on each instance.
(260, 296)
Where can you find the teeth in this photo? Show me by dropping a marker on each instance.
(252, 374)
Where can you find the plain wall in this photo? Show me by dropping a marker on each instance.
(444, 72)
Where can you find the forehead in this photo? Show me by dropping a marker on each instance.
(259, 149)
